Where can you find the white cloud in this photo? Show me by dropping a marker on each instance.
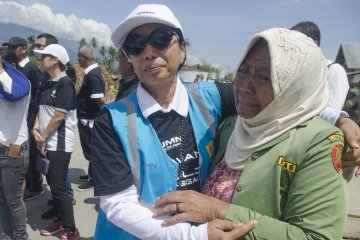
(42, 18)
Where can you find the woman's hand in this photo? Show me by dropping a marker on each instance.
(190, 206)
(352, 136)
(227, 230)
(37, 136)
(42, 150)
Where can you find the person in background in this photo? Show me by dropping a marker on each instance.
(33, 175)
(352, 103)
(54, 132)
(88, 103)
(197, 78)
(337, 79)
(14, 156)
(128, 82)
(282, 166)
(33, 73)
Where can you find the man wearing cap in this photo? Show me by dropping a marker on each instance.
(88, 102)
(33, 73)
(14, 159)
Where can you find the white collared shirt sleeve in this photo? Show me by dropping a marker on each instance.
(6, 82)
(124, 210)
(330, 114)
(338, 85)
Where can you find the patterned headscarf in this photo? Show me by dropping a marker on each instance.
(298, 77)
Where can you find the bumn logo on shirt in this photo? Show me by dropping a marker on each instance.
(169, 144)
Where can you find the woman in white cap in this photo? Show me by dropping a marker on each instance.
(146, 145)
(282, 165)
(54, 132)
(158, 139)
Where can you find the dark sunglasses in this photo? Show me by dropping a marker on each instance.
(160, 39)
(38, 45)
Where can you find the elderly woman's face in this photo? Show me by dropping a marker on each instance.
(155, 66)
(253, 89)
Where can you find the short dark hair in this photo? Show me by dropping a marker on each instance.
(50, 39)
(310, 29)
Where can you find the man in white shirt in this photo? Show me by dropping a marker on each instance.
(33, 73)
(14, 156)
(337, 79)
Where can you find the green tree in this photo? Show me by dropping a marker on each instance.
(93, 42)
(82, 42)
(229, 77)
(102, 51)
(30, 41)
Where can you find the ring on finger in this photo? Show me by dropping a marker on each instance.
(178, 208)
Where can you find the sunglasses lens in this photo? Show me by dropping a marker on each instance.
(160, 38)
(135, 44)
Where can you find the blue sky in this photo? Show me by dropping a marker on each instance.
(218, 31)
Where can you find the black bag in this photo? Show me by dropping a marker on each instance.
(42, 164)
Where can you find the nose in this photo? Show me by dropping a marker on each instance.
(244, 84)
(149, 52)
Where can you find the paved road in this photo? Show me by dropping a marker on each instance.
(85, 213)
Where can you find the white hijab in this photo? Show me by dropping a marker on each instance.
(298, 77)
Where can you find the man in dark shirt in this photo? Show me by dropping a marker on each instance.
(129, 81)
(88, 102)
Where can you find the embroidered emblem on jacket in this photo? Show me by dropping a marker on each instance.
(336, 138)
(285, 165)
(210, 148)
(336, 157)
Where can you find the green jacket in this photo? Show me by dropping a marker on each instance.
(292, 187)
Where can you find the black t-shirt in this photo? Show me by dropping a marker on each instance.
(177, 139)
(93, 83)
(111, 172)
(33, 73)
(127, 86)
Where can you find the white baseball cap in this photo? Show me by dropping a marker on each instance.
(142, 14)
(55, 50)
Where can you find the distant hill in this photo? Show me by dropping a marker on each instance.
(8, 30)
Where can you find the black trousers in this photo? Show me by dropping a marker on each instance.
(56, 178)
(85, 133)
(33, 177)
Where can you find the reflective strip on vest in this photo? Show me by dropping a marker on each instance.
(203, 109)
(134, 152)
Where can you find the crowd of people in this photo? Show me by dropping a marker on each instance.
(170, 160)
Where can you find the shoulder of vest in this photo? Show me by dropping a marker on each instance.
(122, 102)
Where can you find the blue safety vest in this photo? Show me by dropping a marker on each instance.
(141, 144)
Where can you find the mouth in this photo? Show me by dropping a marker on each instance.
(153, 68)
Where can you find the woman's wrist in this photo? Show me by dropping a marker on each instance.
(220, 208)
(36, 130)
(341, 119)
